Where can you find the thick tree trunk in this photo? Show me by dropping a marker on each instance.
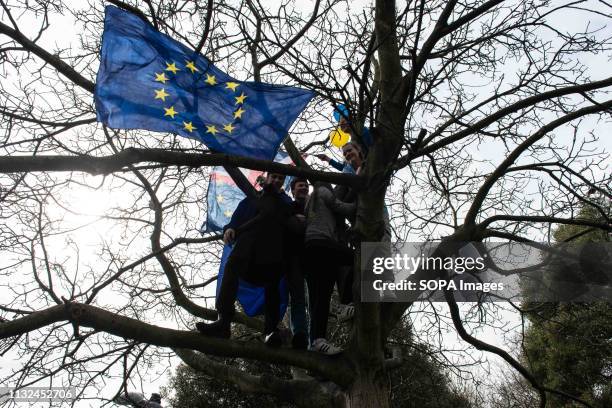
(369, 390)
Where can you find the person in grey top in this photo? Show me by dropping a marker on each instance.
(325, 255)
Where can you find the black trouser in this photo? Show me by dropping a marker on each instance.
(324, 261)
(344, 283)
(267, 276)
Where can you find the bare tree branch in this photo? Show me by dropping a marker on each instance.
(90, 316)
(530, 101)
(46, 56)
(470, 218)
(303, 393)
(108, 164)
(481, 345)
(293, 40)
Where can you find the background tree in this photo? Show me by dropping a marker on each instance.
(486, 119)
(570, 350)
(567, 345)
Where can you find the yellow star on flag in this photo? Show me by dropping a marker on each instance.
(170, 112)
(227, 213)
(238, 113)
(172, 67)
(189, 126)
(190, 65)
(220, 198)
(161, 77)
(210, 79)
(161, 94)
(211, 129)
(241, 98)
(228, 128)
(231, 85)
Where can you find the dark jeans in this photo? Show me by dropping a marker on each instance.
(267, 276)
(295, 282)
(324, 262)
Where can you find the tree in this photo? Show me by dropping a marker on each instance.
(190, 388)
(437, 82)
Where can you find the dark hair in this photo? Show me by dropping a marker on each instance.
(269, 173)
(296, 180)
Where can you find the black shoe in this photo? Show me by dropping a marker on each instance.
(299, 341)
(219, 329)
(273, 339)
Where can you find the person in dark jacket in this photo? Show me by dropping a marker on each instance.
(257, 230)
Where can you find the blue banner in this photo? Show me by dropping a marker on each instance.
(147, 80)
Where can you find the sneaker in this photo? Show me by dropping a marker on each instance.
(299, 341)
(322, 346)
(273, 339)
(219, 329)
(345, 312)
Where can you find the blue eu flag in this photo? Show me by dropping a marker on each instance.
(252, 298)
(149, 81)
